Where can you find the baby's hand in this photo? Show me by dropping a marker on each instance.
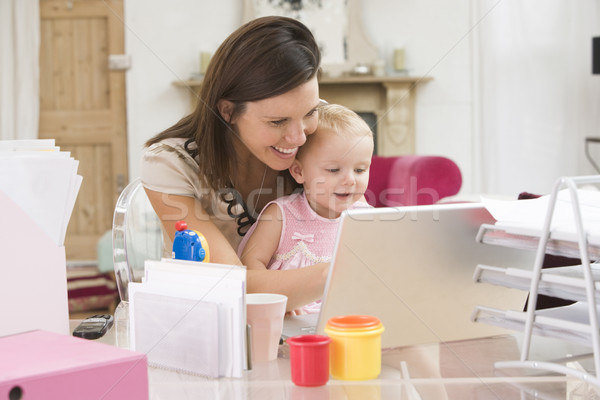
(325, 267)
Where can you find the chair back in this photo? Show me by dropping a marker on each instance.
(412, 180)
(136, 236)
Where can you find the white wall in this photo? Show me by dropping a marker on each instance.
(164, 40)
(434, 35)
(440, 39)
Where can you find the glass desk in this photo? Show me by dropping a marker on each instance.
(452, 370)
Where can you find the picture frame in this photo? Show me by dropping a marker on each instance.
(336, 25)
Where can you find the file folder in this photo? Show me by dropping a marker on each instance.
(33, 275)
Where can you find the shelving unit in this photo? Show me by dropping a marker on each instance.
(577, 322)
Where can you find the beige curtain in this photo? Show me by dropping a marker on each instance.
(19, 69)
(539, 98)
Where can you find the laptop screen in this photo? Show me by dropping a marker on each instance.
(412, 267)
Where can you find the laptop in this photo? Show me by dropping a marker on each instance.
(412, 267)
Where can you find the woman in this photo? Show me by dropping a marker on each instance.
(219, 166)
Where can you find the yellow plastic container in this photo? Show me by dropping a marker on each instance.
(355, 349)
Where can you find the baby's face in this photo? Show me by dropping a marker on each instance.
(335, 170)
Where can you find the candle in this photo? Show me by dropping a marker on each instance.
(399, 59)
(204, 60)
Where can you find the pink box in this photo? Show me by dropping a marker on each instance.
(33, 275)
(48, 365)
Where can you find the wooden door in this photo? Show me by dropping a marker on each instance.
(82, 107)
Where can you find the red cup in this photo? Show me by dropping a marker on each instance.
(309, 359)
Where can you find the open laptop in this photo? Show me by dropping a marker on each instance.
(412, 267)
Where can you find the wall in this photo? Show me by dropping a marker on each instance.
(440, 39)
(437, 44)
(164, 39)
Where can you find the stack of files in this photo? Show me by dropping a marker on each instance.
(527, 239)
(526, 217)
(38, 189)
(42, 180)
(190, 317)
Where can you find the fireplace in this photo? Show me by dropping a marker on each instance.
(389, 100)
(371, 119)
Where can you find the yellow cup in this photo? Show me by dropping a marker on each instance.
(355, 349)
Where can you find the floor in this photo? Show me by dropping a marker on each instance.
(80, 272)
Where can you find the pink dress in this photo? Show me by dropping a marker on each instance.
(306, 237)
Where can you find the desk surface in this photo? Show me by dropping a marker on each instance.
(452, 370)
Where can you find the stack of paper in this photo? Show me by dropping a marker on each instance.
(527, 216)
(38, 189)
(190, 316)
(42, 180)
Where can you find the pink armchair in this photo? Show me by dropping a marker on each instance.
(412, 180)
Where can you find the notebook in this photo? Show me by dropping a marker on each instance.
(412, 267)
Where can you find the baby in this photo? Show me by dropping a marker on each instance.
(300, 229)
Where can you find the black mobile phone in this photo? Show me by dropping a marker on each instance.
(94, 327)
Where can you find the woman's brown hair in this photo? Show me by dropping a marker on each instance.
(264, 58)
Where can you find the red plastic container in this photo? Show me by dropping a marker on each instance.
(309, 359)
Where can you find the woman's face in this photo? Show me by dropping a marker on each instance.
(272, 129)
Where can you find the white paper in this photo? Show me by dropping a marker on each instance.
(42, 181)
(28, 145)
(173, 333)
(530, 214)
(221, 285)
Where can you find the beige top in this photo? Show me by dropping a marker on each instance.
(166, 167)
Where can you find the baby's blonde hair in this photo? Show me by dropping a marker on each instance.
(339, 120)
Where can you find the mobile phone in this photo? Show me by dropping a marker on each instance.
(94, 327)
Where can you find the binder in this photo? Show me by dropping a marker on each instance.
(47, 365)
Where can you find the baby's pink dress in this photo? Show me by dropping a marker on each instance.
(306, 237)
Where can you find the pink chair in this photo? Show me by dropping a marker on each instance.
(412, 180)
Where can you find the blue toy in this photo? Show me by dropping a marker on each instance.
(189, 244)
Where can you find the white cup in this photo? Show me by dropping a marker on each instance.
(264, 314)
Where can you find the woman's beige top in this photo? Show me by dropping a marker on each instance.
(166, 167)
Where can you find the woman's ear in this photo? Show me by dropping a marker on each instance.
(296, 172)
(225, 109)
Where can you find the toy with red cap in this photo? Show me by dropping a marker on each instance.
(189, 244)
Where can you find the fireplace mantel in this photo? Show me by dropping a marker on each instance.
(390, 98)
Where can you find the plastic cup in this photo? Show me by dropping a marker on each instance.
(264, 314)
(355, 350)
(309, 359)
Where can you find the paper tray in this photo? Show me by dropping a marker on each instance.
(559, 244)
(564, 282)
(568, 323)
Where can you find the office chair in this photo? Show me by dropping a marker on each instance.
(136, 236)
